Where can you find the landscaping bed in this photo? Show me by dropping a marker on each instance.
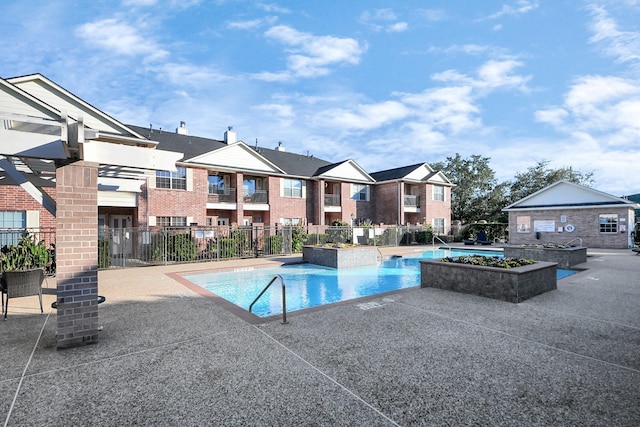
(340, 255)
(509, 279)
(563, 255)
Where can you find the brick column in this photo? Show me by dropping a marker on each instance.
(77, 253)
(239, 199)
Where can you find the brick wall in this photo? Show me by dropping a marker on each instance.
(436, 208)
(386, 196)
(77, 254)
(585, 222)
(14, 198)
(287, 207)
(182, 203)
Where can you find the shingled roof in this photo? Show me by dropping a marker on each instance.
(299, 165)
(396, 173)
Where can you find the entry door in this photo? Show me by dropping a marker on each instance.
(119, 229)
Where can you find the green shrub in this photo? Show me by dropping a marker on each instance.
(316, 239)
(298, 239)
(228, 248)
(181, 247)
(104, 253)
(273, 244)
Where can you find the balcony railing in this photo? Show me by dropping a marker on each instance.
(222, 196)
(411, 201)
(332, 200)
(259, 196)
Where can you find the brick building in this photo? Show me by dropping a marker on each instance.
(566, 212)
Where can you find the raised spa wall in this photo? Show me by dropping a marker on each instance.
(340, 257)
(507, 284)
(564, 257)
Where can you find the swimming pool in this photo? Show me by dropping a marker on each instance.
(309, 285)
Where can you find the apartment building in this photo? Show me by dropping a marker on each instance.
(217, 181)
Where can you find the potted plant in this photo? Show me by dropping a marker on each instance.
(22, 267)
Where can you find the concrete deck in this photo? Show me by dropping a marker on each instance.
(170, 356)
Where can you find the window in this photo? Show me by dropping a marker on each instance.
(292, 188)
(438, 193)
(171, 221)
(216, 184)
(608, 223)
(174, 180)
(360, 192)
(523, 224)
(438, 225)
(291, 221)
(14, 220)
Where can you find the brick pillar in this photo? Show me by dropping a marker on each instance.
(239, 198)
(77, 253)
(319, 208)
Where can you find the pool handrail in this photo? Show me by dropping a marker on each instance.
(433, 241)
(573, 240)
(284, 297)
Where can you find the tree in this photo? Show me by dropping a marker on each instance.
(476, 195)
(539, 176)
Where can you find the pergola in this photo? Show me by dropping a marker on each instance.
(63, 150)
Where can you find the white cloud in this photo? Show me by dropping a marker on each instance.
(312, 56)
(433, 15)
(383, 20)
(252, 24)
(623, 45)
(119, 37)
(190, 75)
(520, 7)
(137, 3)
(364, 116)
(492, 74)
(553, 116)
(273, 8)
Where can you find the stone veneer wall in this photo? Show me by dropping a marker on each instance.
(564, 257)
(340, 257)
(507, 284)
(77, 254)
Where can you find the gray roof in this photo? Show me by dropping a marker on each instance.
(396, 173)
(192, 146)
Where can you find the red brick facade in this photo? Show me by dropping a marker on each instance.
(14, 198)
(585, 224)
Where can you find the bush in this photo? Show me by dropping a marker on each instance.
(228, 248)
(273, 245)
(181, 247)
(486, 261)
(104, 253)
(316, 239)
(298, 239)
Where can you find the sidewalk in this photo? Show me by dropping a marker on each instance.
(169, 356)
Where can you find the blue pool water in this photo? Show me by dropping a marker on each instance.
(309, 285)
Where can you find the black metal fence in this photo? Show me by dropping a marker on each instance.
(131, 247)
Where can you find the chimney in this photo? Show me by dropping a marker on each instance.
(182, 130)
(280, 147)
(230, 136)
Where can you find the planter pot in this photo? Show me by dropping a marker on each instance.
(340, 257)
(507, 284)
(564, 257)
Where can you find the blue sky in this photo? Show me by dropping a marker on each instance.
(386, 83)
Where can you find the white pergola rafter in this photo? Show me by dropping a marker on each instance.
(40, 145)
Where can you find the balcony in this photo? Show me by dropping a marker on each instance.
(217, 195)
(258, 197)
(411, 201)
(332, 200)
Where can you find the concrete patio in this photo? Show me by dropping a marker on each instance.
(170, 356)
